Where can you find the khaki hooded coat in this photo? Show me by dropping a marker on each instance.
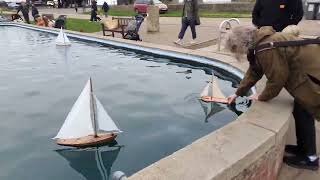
(295, 68)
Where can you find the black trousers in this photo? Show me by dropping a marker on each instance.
(305, 130)
(26, 17)
(93, 16)
(185, 24)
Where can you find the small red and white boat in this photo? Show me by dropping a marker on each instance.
(213, 93)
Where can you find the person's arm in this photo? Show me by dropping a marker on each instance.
(297, 12)
(250, 79)
(256, 13)
(276, 69)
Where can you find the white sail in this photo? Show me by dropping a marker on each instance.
(62, 39)
(212, 89)
(104, 121)
(78, 122)
(205, 91)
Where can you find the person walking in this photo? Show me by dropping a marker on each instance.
(288, 62)
(24, 8)
(278, 14)
(94, 10)
(190, 17)
(76, 6)
(105, 8)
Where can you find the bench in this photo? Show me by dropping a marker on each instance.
(122, 26)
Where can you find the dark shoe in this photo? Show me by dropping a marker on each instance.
(301, 162)
(294, 150)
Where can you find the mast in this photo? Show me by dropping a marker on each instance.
(64, 40)
(93, 111)
(212, 79)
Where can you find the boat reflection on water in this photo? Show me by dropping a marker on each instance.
(212, 108)
(93, 163)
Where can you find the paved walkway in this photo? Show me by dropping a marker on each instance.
(169, 29)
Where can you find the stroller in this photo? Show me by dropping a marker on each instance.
(133, 28)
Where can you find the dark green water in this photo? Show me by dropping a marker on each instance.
(156, 107)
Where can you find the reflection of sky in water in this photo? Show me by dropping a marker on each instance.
(154, 100)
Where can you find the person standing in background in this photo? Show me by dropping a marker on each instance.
(190, 17)
(279, 13)
(94, 10)
(105, 8)
(76, 7)
(24, 8)
(34, 11)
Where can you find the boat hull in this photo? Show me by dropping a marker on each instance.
(87, 141)
(214, 99)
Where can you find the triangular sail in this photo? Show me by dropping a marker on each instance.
(78, 122)
(62, 39)
(212, 89)
(104, 121)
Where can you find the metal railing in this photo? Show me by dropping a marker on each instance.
(224, 27)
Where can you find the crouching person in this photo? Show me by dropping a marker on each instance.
(287, 62)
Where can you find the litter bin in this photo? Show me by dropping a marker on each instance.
(312, 9)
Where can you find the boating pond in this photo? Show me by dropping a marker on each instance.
(154, 100)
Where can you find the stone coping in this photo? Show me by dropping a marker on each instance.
(224, 153)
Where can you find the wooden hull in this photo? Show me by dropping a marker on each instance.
(88, 141)
(214, 99)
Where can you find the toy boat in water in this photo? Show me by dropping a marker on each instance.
(87, 124)
(212, 92)
(62, 39)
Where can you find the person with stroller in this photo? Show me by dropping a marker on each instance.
(94, 11)
(24, 8)
(190, 17)
(105, 8)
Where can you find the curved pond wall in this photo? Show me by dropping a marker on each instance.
(249, 148)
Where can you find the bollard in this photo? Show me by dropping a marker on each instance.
(153, 24)
(119, 175)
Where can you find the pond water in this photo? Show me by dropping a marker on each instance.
(153, 99)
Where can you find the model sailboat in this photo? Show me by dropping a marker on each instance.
(62, 39)
(212, 92)
(87, 124)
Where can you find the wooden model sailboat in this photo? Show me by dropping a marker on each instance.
(62, 39)
(212, 92)
(87, 124)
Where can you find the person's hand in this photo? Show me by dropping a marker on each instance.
(254, 97)
(232, 98)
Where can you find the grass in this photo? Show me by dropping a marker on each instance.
(83, 25)
(178, 13)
